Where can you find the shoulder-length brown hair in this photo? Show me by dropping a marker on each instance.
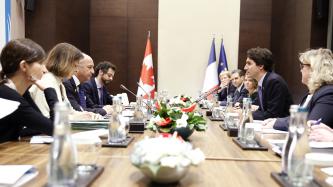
(61, 59)
(16, 51)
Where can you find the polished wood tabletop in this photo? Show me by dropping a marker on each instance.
(225, 165)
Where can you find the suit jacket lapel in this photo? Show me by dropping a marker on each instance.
(94, 86)
(264, 85)
(76, 91)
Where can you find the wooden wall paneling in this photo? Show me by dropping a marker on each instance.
(142, 8)
(72, 23)
(137, 39)
(40, 24)
(291, 29)
(118, 32)
(108, 37)
(142, 16)
(109, 42)
(111, 8)
(55, 21)
(319, 24)
(255, 27)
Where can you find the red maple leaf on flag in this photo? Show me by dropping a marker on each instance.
(147, 81)
(147, 75)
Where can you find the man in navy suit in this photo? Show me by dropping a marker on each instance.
(75, 91)
(273, 93)
(237, 78)
(95, 89)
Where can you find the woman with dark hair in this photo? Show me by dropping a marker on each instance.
(251, 85)
(21, 61)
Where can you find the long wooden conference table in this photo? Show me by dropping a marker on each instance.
(226, 164)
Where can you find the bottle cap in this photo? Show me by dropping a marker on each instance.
(302, 109)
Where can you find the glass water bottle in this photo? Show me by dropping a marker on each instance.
(246, 118)
(299, 172)
(62, 162)
(291, 132)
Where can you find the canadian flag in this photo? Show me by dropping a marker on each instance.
(147, 81)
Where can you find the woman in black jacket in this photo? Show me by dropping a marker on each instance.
(316, 67)
(21, 61)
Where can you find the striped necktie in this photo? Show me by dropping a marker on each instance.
(260, 97)
(101, 98)
(82, 97)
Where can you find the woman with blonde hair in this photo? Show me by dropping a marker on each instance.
(61, 63)
(226, 86)
(316, 66)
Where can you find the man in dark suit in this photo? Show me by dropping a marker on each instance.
(273, 93)
(95, 89)
(74, 89)
(237, 78)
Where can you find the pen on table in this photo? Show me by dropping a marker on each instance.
(316, 122)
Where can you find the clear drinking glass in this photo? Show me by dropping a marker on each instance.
(87, 153)
(216, 112)
(232, 119)
(249, 135)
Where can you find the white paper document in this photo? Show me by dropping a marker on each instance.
(7, 107)
(41, 139)
(93, 134)
(328, 170)
(314, 144)
(128, 113)
(16, 175)
(329, 180)
(273, 131)
(257, 125)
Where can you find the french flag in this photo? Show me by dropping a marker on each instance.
(211, 78)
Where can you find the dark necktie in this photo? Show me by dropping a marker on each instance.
(235, 97)
(260, 97)
(82, 97)
(101, 98)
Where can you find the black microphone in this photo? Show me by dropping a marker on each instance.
(123, 87)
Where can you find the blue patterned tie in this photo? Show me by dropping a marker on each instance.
(101, 99)
(82, 97)
(260, 97)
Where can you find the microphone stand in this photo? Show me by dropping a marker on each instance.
(149, 99)
(206, 94)
(124, 88)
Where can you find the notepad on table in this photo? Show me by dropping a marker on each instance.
(41, 140)
(16, 175)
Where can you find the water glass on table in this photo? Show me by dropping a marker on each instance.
(250, 134)
(216, 113)
(232, 119)
(87, 153)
